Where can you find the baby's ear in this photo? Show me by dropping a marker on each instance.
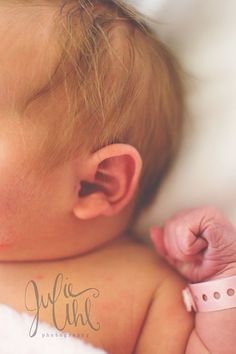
(110, 181)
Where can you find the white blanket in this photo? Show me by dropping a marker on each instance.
(15, 338)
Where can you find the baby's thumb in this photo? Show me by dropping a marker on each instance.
(157, 237)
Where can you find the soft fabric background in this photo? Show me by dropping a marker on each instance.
(202, 34)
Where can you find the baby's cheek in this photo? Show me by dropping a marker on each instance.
(9, 196)
(8, 212)
(15, 200)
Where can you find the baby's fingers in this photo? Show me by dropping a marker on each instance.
(182, 244)
(191, 245)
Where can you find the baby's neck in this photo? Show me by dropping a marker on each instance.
(71, 239)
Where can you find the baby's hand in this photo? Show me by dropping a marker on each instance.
(200, 243)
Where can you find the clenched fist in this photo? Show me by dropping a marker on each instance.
(200, 243)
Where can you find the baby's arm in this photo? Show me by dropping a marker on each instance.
(168, 325)
(201, 244)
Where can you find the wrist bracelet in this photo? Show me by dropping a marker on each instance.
(213, 295)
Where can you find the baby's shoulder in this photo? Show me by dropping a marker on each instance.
(129, 276)
(126, 260)
(130, 257)
(133, 257)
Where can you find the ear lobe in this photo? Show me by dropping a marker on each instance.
(117, 169)
(91, 206)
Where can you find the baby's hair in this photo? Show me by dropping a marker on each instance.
(122, 86)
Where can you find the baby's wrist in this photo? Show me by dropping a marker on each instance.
(213, 294)
(227, 271)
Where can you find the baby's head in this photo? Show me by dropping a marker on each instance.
(90, 114)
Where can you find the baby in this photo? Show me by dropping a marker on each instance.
(91, 108)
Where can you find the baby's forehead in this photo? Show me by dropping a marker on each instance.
(29, 52)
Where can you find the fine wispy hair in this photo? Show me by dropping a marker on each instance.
(121, 84)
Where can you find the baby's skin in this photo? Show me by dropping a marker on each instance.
(131, 302)
(132, 299)
(201, 244)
